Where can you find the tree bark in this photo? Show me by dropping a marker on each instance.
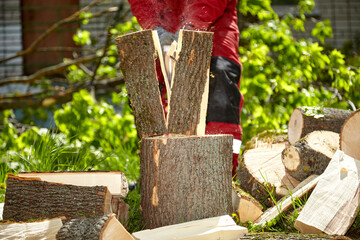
(350, 135)
(31, 198)
(185, 178)
(190, 84)
(137, 56)
(305, 120)
(261, 170)
(311, 154)
(101, 228)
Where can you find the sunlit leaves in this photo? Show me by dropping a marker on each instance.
(322, 30)
(82, 37)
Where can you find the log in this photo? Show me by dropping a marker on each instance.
(102, 228)
(261, 168)
(311, 154)
(350, 135)
(286, 236)
(32, 198)
(115, 181)
(137, 57)
(304, 120)
(42, 229)
(185, 178)
(285, 203)
(190, 84)
(121, 209)
(221, 228)
(332, 206)
(245, 205)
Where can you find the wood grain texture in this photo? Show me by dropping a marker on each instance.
(305, 120)
(185, 178)
(311, 154)
(137, 62)
(350, 135)
(190, 84)
(286, 236)
(31, 198)
(261, 168)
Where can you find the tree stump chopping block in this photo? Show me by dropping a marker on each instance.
(185, 178)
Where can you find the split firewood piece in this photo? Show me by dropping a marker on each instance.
(332, 206)
(221, 228)
(311, 154)
(261, 169)
(42, 229)
(115, 181)
(304, 120)
(350, 135)
(285, 203)
(121, 209)
(32, 198)
(190, 84)
(137, 57)
(102, 228)
(185, 178)
(245, 205)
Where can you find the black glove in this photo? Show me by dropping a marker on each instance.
(165, 37)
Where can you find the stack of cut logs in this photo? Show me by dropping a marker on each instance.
(320, 142)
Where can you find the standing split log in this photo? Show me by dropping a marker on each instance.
(311, 154)
(137, 56)
(305, 120)
(101, 228)
(190, 84)
(31, 198)
(185, 178)
(350, 135)
(261, 168)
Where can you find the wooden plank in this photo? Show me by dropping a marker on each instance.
(115, 181)
(137, 57)
(185, 178)
(190, 84)
(32, 198)
(44, 229)
(332, 206)
(220, 228)
(285, 203)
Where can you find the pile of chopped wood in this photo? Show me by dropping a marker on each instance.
(320, 156)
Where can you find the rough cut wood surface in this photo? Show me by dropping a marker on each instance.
(350, 135)
(185, 178)
(285, 236)
(137, 62)
(262, 167)
(115, 181)
(304, 120)
(44, 229)
(190, 85)
(311, 154)
(31, 198)
(334, 203)
(219, 228)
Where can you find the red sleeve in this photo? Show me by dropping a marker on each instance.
(201, 14)
(146, 12)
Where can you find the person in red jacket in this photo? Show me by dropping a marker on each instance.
(217, 16)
